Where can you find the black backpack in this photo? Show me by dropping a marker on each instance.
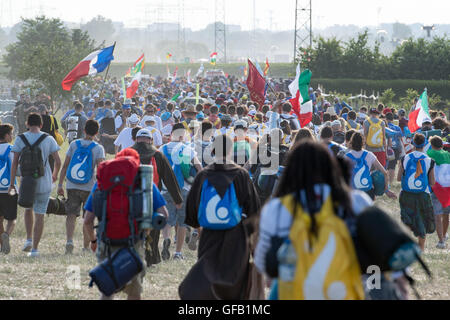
(30, 161)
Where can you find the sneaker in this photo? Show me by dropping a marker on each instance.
(27, 246)
(69, 247)
(441, 245)
(33, 254)
(165, 254)
(193, 243)
(446, 237)
(5, 243)
(178, 256)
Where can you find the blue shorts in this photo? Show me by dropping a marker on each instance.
(176, 216)
(41, 202)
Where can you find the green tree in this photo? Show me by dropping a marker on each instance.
(358, 60)
(387, 97)
(45, 53)
(408, 100)
(326, 58)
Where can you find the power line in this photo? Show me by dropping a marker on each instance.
(220, 32)
(303, 26)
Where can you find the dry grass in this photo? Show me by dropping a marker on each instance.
(45, 277)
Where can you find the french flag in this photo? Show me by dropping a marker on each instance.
(94, 63)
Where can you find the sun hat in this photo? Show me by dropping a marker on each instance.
(134, 118)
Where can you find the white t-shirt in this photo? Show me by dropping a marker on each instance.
(118, 122)
(3, 147)
(370, 158)
(124, 140)
(157, 138)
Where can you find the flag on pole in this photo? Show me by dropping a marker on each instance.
(138, 66)
(417, 117)
(256, 84)
(258, 67)
(213, 58)
(175, 98)
(442, 174)
(200, 70)
(197, 94)
(134, 86)
(301, 103)
(189, 76)
(267, 67)
(94, 63)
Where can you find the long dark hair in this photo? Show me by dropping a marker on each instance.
(311, 163)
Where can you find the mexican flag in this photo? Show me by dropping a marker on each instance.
(442, 174)
(213, 58)
(301, 104)
(421, 113)
(136, 71)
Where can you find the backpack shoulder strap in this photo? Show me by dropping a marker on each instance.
(364, 155)
(38, 142)
(78, 143)
(92, 145)
(25, 141)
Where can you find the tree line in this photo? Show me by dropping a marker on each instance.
(418, 59)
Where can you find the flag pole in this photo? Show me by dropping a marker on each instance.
(107, 71)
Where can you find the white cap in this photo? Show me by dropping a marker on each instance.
(134, 118)
(336, 123)
(177, 114)
(148, 119)
(144, 133)
(241, 123)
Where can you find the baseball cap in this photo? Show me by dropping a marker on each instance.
(374, 111)
(252, 112)
(426, 120)
(148, 119)
(91, 100)
(144, 133)
(134, 118)
(401, 112)
(200, 116)
(336, 123)
(240, 124)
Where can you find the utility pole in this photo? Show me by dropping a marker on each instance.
(303, 26)
(220, 32)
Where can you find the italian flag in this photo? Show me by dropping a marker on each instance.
(136, 71)
(421, 113)
(213, 58)
(442, 174)
(301, 104)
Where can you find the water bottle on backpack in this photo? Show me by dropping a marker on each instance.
(287, 258)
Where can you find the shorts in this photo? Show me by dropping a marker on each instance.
(437, 206)
(176, 216)
(135, 286)
(381, 156)
(393, 163)
(416, 211)
(76, 199)
(8, 206)
(40, 203)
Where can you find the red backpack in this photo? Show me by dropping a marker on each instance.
(116, 181)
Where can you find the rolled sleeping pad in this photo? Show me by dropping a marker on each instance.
(27, 192)
(378, 183)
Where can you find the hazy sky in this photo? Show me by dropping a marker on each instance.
(274, 14)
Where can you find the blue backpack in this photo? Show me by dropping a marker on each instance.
(216, 213)
(5, 170)
(409, 181)
(361, 178)
(81, 167)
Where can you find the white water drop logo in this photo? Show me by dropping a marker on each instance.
(4, 182)
(218, 216)
(76, 173)
(376, 139)
(314, 283)
(361, 183)
(414, 184)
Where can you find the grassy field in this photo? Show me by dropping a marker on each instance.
(46, 277)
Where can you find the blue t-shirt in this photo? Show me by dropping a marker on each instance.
(158, 200)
